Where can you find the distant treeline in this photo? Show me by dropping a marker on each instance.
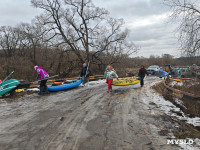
(66, 64)
(65, 35)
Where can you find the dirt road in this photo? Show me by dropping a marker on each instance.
(84, 119)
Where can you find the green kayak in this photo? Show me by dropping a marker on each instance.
(8, 86)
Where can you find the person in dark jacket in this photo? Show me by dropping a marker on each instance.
(85, 73)
(141, 74)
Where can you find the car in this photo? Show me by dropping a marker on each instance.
(185, 72)
(153, 68)
(198, 73)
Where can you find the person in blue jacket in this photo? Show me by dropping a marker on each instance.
(178, 73)
(162, 73)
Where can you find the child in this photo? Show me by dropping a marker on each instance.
(109, 75)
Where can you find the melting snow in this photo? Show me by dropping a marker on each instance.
(176, 83)
(97, 82)
(33, 89)
(167, 107)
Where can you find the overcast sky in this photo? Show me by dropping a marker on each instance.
(146, 19)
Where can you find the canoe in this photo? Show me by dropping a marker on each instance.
(64, 86)
(178, 80)
(8, 86)
(127, 83)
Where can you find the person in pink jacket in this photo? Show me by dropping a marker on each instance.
(42, 79)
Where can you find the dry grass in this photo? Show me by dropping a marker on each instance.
(189, 86)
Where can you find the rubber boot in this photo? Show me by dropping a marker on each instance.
(40, 93)
(46, 90)
(110, 89)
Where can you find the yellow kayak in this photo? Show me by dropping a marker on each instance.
(19, 90)
(125, 81)
(178, 80)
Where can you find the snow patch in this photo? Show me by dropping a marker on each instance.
(179, 102)
(175, 83)
(195, 146)
(170, 109)
(97, 82)
(33, 89)
(166, 106)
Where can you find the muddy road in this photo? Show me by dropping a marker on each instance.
(84, 119)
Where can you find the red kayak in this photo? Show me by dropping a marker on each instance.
(60, 83)
(185, 79)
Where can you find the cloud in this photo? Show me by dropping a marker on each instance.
(156, 39)
(132, 8)
(16, 11)
(146, 20)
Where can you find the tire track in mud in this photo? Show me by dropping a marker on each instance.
(88, 119)
(77, 122)
(71, 120)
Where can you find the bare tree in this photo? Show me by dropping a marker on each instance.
(83, 27)
(9, 40)
(188, 13)
(33, 37)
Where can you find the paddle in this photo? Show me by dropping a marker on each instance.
(8, 76)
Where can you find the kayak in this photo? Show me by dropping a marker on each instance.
(178, 80)
(8, 86)
(127, 83)
(60, 83)
(186, 79)
(164, 74)
(65, 86)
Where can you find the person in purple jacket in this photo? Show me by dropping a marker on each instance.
(42, 79)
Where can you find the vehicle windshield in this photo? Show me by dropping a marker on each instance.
(152, 67)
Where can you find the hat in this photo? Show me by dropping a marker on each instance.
(35, 67)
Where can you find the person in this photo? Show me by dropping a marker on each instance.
(167, 69)
(162, 73)
(178, 73)
(109, 74)
(42, 79)
(141, 74)
(85, 73)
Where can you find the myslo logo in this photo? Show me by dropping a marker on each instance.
(180, 141)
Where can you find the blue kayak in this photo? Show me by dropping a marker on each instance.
(64, 86)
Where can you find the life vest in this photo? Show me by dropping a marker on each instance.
(105, 73)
